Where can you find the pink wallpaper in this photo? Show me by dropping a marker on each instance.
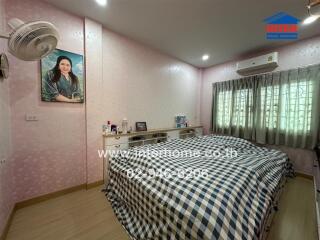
(294, 55)
(124, 79)
(95, 117)
(6, 167)
(135, 82)
(48, 155)
(60, 150)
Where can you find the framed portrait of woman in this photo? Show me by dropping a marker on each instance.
(62, 77)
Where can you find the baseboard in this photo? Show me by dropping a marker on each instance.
(4, 234)
(43, 198)
(95, 184)
(304, 175)
(48, 196)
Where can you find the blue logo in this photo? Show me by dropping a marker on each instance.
(281, 26)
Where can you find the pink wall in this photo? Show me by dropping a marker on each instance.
(297, 54)
(6, 167)
(95, 98)
(136, 82)
(124, 79)
(48, 155)
(51, 154)
(145, 85)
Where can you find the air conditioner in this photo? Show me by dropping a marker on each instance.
(264, 63)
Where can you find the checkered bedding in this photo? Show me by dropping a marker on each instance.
(230, 202)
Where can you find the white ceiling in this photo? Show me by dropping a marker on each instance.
(186, 29)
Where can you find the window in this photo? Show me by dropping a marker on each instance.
(224, 108)
(296, 106)
(242, 112)
(287, 107)
(275, 108)
(293, 112)
(269, 106)
(236, 111)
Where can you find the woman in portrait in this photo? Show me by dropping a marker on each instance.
(60, 83)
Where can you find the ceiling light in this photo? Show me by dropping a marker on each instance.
(102, 2)
(310, 19)
(205, 57)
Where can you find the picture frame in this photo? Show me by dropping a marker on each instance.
(180, 121)
(62, 77)
(141, 126)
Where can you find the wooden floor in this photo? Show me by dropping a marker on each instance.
(88, 215)
(296, 218)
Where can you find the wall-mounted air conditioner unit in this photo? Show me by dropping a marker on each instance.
(264, 63)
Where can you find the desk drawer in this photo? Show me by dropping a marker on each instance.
(115, 140)
(120, 146)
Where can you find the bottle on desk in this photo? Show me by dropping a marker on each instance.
(124, 126)
(107, 128)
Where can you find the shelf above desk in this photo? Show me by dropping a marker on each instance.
(150, 131)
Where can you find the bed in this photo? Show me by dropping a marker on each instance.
(225, 197)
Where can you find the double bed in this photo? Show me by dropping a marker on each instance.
(208, 187)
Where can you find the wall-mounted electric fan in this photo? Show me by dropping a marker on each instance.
(31, 41)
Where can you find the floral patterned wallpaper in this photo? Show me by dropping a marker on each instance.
(49, 154)
(60, 150)
(6, 166)
(135, 82)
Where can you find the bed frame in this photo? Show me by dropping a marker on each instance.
(272, 209)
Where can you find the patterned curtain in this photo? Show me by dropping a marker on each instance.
(274, 108)
(233, 107)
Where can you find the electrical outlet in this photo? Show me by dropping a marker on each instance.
(31, 117)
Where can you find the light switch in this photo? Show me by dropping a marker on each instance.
(31, 117)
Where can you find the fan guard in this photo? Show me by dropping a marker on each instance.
(32, 41)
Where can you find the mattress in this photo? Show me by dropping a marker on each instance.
(209, 187)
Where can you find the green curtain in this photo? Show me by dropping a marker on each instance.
(233, 107)
(275, 108)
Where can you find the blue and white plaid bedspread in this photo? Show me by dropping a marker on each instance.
(230, 202)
